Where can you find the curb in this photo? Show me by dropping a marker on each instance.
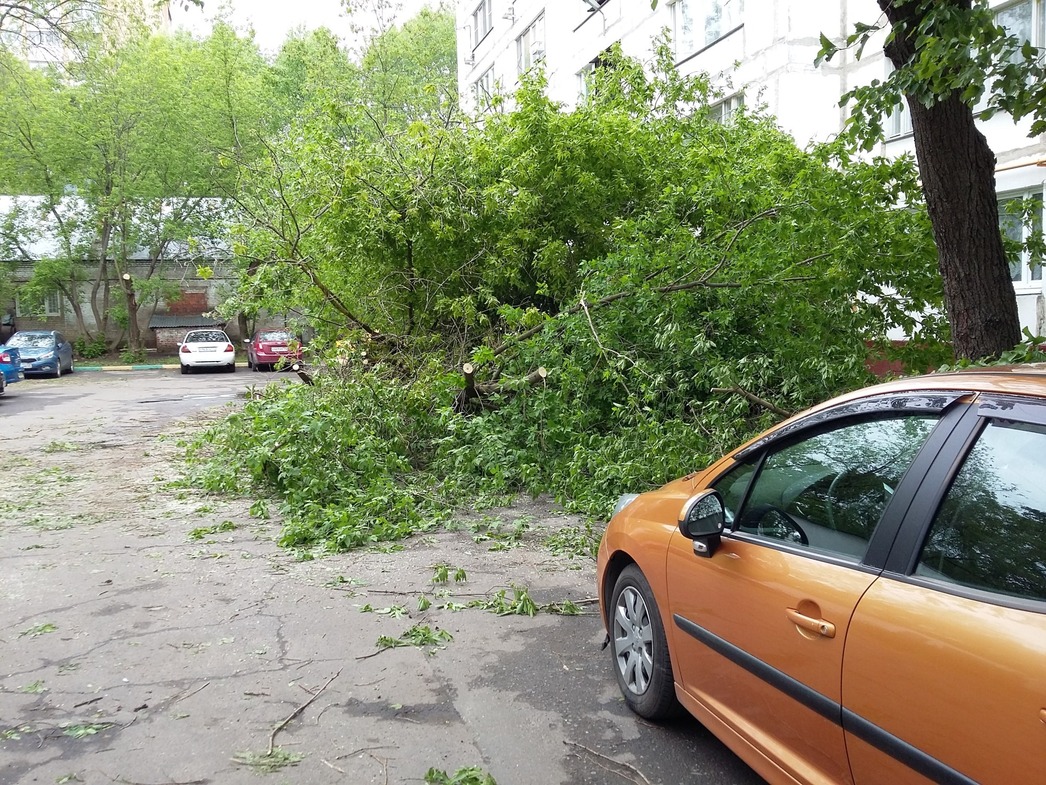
(157, 367)
(124, 367)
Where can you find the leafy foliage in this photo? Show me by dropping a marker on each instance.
(471, 775)
(684, 282)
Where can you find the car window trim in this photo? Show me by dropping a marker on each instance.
(902, 403)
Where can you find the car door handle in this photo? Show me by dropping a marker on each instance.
(820, 626)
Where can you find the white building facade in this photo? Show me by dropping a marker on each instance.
(757, 52)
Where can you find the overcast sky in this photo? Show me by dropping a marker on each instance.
(273, 19)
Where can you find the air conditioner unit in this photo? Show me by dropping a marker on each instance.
(510, 14)
(537, 51)
(469, 60)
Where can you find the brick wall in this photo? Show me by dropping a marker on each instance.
(188, 303)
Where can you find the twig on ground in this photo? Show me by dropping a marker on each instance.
(622, 764)
(297, 711)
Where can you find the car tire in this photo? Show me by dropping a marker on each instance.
(231, 368)
(185, 368)
(70, 369)
(639, 648)
(58, 369)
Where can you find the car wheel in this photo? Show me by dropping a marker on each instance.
(185, 368)
(637, 640)
(58, 369)
(231, 368)
(70, 369)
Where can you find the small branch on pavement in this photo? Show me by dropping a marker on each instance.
(297, 711)
(622, 764)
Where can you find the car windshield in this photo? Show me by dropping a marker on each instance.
(275, 335)
(31, 340)
(207, 336)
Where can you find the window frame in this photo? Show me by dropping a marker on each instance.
(526, 42)
(53, 302)
(724, 110)
(1038, 20)
(483, 89)
(1025, 272)
(704, 37)
(482, 21)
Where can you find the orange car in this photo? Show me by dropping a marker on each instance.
(856, 596)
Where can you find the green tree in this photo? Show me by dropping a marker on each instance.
(128, 156)
(953, 64)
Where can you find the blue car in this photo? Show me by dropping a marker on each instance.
(10, 367)
(44, 352)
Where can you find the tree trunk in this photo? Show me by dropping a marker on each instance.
(958, 176)
(134, 338)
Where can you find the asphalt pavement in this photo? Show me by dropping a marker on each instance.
(154, 635)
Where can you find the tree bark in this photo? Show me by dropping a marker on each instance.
(958, 177)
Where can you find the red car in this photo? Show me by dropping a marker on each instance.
(268, 347)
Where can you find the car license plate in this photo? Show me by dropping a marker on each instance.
(207, 349)
(279, 349)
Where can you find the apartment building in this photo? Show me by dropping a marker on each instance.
(757, 52)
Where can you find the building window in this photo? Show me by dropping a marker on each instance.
(724, 111)
(49, 305)
(709, 20)
(1025, 20)
(483, 89)
(584, 80)
(1020, 219)
(899, 121)
(482, 22)
(683, 27)
(530, 47)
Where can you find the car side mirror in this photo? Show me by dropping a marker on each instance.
(702, 520)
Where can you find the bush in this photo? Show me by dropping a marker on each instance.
(89, 350)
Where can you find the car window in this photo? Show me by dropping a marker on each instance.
(990, 530)
(31, 340)
(207, 336)
(275, 335)
(828, 492)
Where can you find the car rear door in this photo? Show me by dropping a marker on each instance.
(944, 678)
(758, 629)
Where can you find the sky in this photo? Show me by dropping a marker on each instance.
(273, 19)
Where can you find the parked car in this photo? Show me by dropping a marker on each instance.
(10, 367)
(44, 352)
(856, 596)
(207, 349)
(268, 347)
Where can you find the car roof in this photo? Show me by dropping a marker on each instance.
(1026, 379)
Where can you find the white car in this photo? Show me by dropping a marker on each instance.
(207, 349)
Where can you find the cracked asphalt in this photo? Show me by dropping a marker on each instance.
(157, 637)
